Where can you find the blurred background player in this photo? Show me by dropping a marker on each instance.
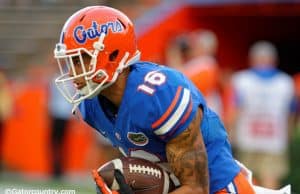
(60, 113)
(263, 96)
(195, 55)
(202, 68)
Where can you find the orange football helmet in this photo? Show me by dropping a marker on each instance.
(107, 36)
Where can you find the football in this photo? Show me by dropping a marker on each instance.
(143, 176)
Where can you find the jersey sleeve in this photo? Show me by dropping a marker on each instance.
(170, 109)
(175, 116)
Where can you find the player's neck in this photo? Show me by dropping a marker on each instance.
(115, 92)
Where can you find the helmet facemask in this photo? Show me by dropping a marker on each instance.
(68, 74)
(95, 79)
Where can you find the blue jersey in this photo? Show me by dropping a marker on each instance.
(159, 103)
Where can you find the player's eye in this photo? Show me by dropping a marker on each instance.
(76, 61)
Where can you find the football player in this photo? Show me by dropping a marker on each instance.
(144, 109)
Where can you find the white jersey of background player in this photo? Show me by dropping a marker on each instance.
(263, 95)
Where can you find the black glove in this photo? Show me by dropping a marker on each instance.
(102, 188)
(124, 187)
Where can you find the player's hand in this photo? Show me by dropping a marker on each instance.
(102, 188)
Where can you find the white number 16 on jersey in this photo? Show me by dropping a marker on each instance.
(153, 78)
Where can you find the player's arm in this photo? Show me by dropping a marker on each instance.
(187, 157)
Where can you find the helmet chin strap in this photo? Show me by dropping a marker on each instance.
(85, 90)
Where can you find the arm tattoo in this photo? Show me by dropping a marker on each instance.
(187, 156)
